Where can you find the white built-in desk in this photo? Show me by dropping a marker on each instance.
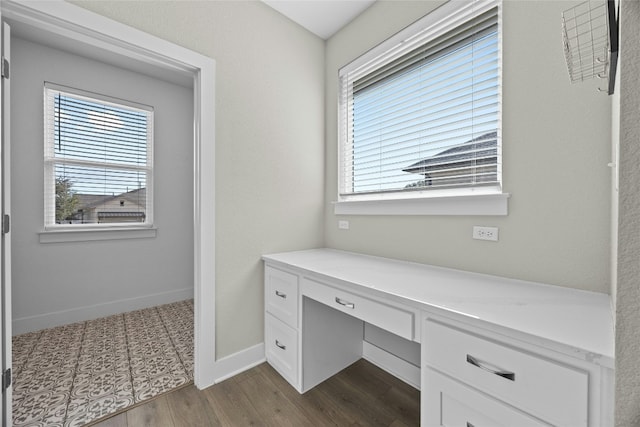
(494, 351)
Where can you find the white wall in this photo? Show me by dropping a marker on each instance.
(57, 283)
(556, 149)
(628, 250)
(269, 140)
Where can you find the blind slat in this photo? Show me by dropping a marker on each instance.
(408, 118)
(458, 128)
(415, 59)
(458, 81)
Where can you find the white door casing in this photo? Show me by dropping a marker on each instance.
(5, 243)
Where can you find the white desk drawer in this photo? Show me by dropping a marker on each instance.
(552, 391)
(392, 319)
(281, 348)
(450, 403)
(281, 295)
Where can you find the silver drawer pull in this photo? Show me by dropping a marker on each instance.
(504, 374)
(345, 303)
(280, 294)
(282, 346)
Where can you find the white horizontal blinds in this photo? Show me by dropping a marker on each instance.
(428, 118)
(98, 160)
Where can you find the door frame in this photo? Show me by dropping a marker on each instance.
(62, 19)
(5, 239)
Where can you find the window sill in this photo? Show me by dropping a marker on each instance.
(480, 204)
(90, 235)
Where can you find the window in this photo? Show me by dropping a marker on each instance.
(420, 114)
(98, 162)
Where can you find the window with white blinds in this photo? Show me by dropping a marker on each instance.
(98, 160)
(420, 114)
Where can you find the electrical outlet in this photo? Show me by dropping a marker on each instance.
(485, 233)
(343, 225)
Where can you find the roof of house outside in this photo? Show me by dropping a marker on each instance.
(482, 146)
(88, 201)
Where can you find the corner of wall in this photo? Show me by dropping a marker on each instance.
(627, 292)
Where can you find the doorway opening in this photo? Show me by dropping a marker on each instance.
(89, 35)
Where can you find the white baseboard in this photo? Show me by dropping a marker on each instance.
(48, 320)
(391, 363)
(236, 363)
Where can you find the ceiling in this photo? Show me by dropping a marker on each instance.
(322, 17)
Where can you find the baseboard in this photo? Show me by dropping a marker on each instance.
(241, 361)
(48, 320)
(391, 363)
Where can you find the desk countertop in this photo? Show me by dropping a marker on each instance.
(575, 322)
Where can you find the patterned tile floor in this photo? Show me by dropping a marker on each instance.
(74, 374)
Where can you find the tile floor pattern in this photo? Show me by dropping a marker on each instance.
(74, 374)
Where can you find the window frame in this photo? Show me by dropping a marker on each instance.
(467, 200)
(53, 232)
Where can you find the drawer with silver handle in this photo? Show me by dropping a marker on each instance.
(281, 295)
(450, 403)
(545, 388)
(281, 348)
(393, 319)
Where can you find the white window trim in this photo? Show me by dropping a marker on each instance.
(479, 204)
(90, 235)
(79, 230)
(464, 201)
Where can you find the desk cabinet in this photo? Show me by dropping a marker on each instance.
(281, 323)
(450, 403)
(494, 351)
(534, 385)
(390, 318)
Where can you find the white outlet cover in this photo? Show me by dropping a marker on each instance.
(485, 233)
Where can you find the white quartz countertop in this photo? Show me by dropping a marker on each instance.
(579, 322)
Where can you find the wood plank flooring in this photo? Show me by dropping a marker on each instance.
(361, 395)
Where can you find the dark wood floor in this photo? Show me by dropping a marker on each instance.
(361, 395)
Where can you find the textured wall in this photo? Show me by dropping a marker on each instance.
(628, 286)
(556, 149)
(269, 140)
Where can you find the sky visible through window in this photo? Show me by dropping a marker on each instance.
(98, 146)
(417, 113)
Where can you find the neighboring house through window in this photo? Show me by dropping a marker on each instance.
(420, 115)
(98, 160)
